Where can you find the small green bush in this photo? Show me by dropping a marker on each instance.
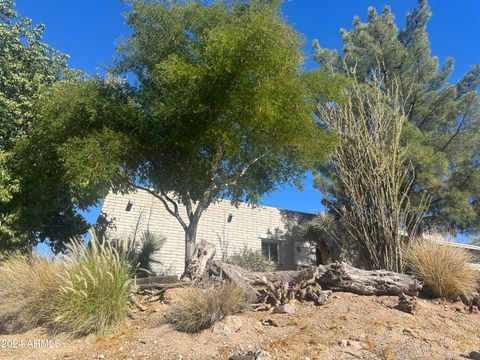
(196, 309)
(444, 269)
(95, 288)
(251, 260)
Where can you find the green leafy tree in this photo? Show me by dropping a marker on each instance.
(221, 108)
(442, 136)
(45, 162)
(27, 66)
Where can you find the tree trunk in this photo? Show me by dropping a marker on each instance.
(190, 239)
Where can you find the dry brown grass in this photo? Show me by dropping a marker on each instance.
(28, 285)
(444, 269)
(196, 309)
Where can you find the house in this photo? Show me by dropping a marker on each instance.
(231, 228)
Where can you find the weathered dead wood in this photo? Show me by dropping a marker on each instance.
(234, 274)
(337, 276)
(340, 276)
(273, 289)
(199, 261)
(134, 302)
(278, 288)
(132, 315)
(167, 279)
(160, 286)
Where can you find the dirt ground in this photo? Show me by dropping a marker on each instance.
(347, 327)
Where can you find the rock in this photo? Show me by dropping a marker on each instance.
(251, 355)
(235, 322)
(407, 304)
(474, 355)
(355, 344)
(472, 302)
(351, 344)
(284, 309)
(270, 322)
(101, 356)
(361, 337)
(241, 357)
(263, 355)
(227, 326)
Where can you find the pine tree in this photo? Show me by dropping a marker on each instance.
(442, 137)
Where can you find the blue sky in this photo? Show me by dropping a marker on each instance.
(88, 30)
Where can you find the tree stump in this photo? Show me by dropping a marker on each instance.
(199, 261)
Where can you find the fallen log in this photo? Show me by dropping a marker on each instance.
(278, 288)
(272, 289)
(340, 276)
(234, 274)
(163, 286)
(166, 279)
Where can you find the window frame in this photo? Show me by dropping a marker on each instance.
(269, 244)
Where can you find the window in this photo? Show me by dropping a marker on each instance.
(270, 251)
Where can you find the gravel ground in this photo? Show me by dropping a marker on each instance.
(347, 327)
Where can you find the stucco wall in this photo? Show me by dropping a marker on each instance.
(247, 228)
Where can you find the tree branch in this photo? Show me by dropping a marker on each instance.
(189, 206)
(244, 171)
(459, 128)
(165, 199)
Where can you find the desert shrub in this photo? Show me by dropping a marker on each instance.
(94, 291)
(143, 261)
(369, 179)
(197, 309)
(251, 260)
(28, 283)
(444, 269)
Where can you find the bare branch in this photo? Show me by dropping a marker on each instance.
(373, 180)
(244, 170)
(165, 201)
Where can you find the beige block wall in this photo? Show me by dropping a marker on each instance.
(247, 228)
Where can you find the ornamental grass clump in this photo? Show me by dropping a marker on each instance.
(28, 287)
(444, 269)
(94, 292)
(196, 309)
